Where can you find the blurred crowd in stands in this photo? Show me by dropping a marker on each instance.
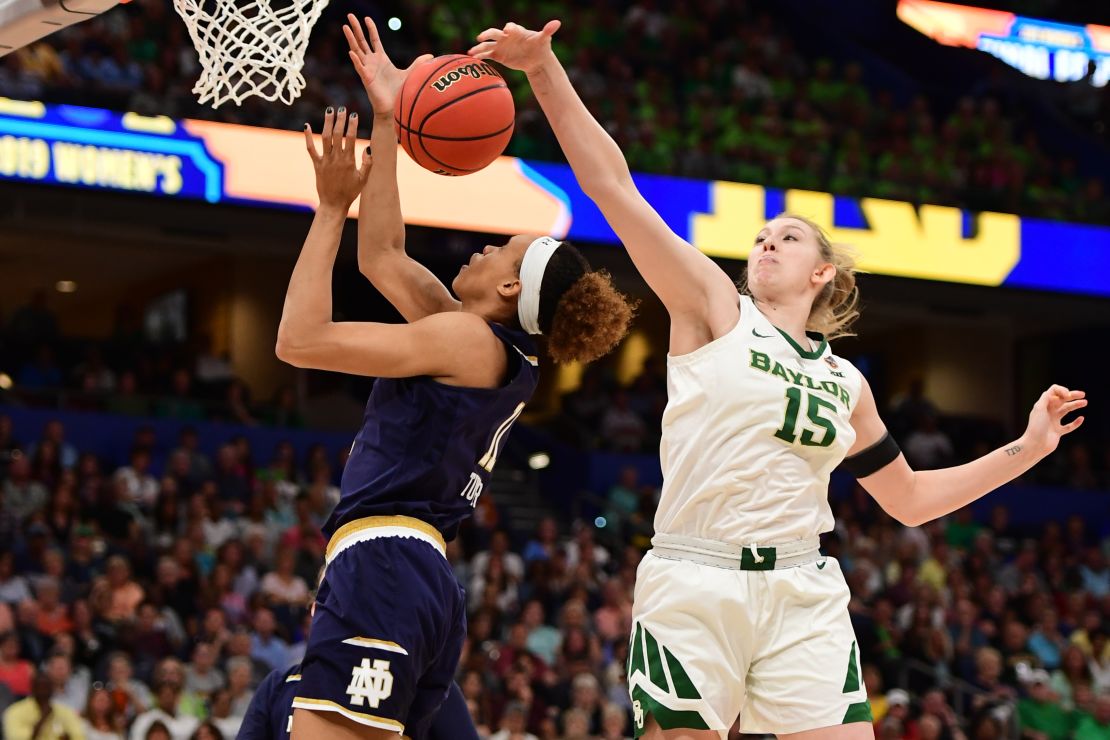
(681, 98)
(146, 597)
(132, 373)
(158, 593)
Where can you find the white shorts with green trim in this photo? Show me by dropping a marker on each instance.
(763, 634)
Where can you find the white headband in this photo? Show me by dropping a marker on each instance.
(531, 277)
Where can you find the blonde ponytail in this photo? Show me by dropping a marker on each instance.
(836, 307)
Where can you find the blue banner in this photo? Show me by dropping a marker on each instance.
(89, 147)
(222, 163)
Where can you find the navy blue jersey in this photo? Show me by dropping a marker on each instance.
(270, 714)
(426, 449)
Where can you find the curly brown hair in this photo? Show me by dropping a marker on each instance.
(581, 312)
(591, 319)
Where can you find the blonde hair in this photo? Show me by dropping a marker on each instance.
(836, 307)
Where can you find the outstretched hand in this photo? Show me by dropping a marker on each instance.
(1046, 420)
(338, 179)
(515, 46)
(381, 78)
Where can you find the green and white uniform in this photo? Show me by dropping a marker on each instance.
(735, 610)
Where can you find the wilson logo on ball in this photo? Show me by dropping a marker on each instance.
(471, 70)
(454, 114)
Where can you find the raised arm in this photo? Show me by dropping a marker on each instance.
(915, 497)
(408, 285)
(455, 347)
(689, 283)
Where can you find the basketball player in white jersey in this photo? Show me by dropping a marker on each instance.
(736, 612)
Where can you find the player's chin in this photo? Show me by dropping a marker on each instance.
(459, 281)
(759, 286)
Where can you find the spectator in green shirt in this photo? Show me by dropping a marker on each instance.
(825, 90)
(1041, 717)
(1096, 727)
(961, 530)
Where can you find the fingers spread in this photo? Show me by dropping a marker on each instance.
(326, 132)
(375, 40)
(359, 66)
(355, 29)
(356, 48)
(367, 165)
(491, 34)
(340, 127)
(1068, 428)
(1070, 406)
(352, 133)
(310, 144)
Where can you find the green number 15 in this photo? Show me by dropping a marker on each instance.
(820, 425)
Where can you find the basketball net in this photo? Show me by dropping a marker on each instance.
(249, 47)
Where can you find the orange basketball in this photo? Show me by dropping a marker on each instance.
(454, 114)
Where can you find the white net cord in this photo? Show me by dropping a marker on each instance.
(250, 47)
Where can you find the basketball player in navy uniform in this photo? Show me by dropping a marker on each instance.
(390, 617)
(270, 714)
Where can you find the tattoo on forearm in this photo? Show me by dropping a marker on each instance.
(1011, 451)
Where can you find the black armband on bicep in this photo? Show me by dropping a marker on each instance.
(874, 458)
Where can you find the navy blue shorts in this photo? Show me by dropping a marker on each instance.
(386, 638)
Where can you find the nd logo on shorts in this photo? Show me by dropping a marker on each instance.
(372, 683)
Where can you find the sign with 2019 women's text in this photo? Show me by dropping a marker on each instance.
(224, 163)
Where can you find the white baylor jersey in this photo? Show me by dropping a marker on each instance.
(754, 425)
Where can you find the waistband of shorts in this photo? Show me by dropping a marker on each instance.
(736, 557)
(375, 527)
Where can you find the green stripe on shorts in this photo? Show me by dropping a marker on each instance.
(636, 660)
(649, 665)
(683, 687)
(851, 680)
(655, 663)
(860, 712)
